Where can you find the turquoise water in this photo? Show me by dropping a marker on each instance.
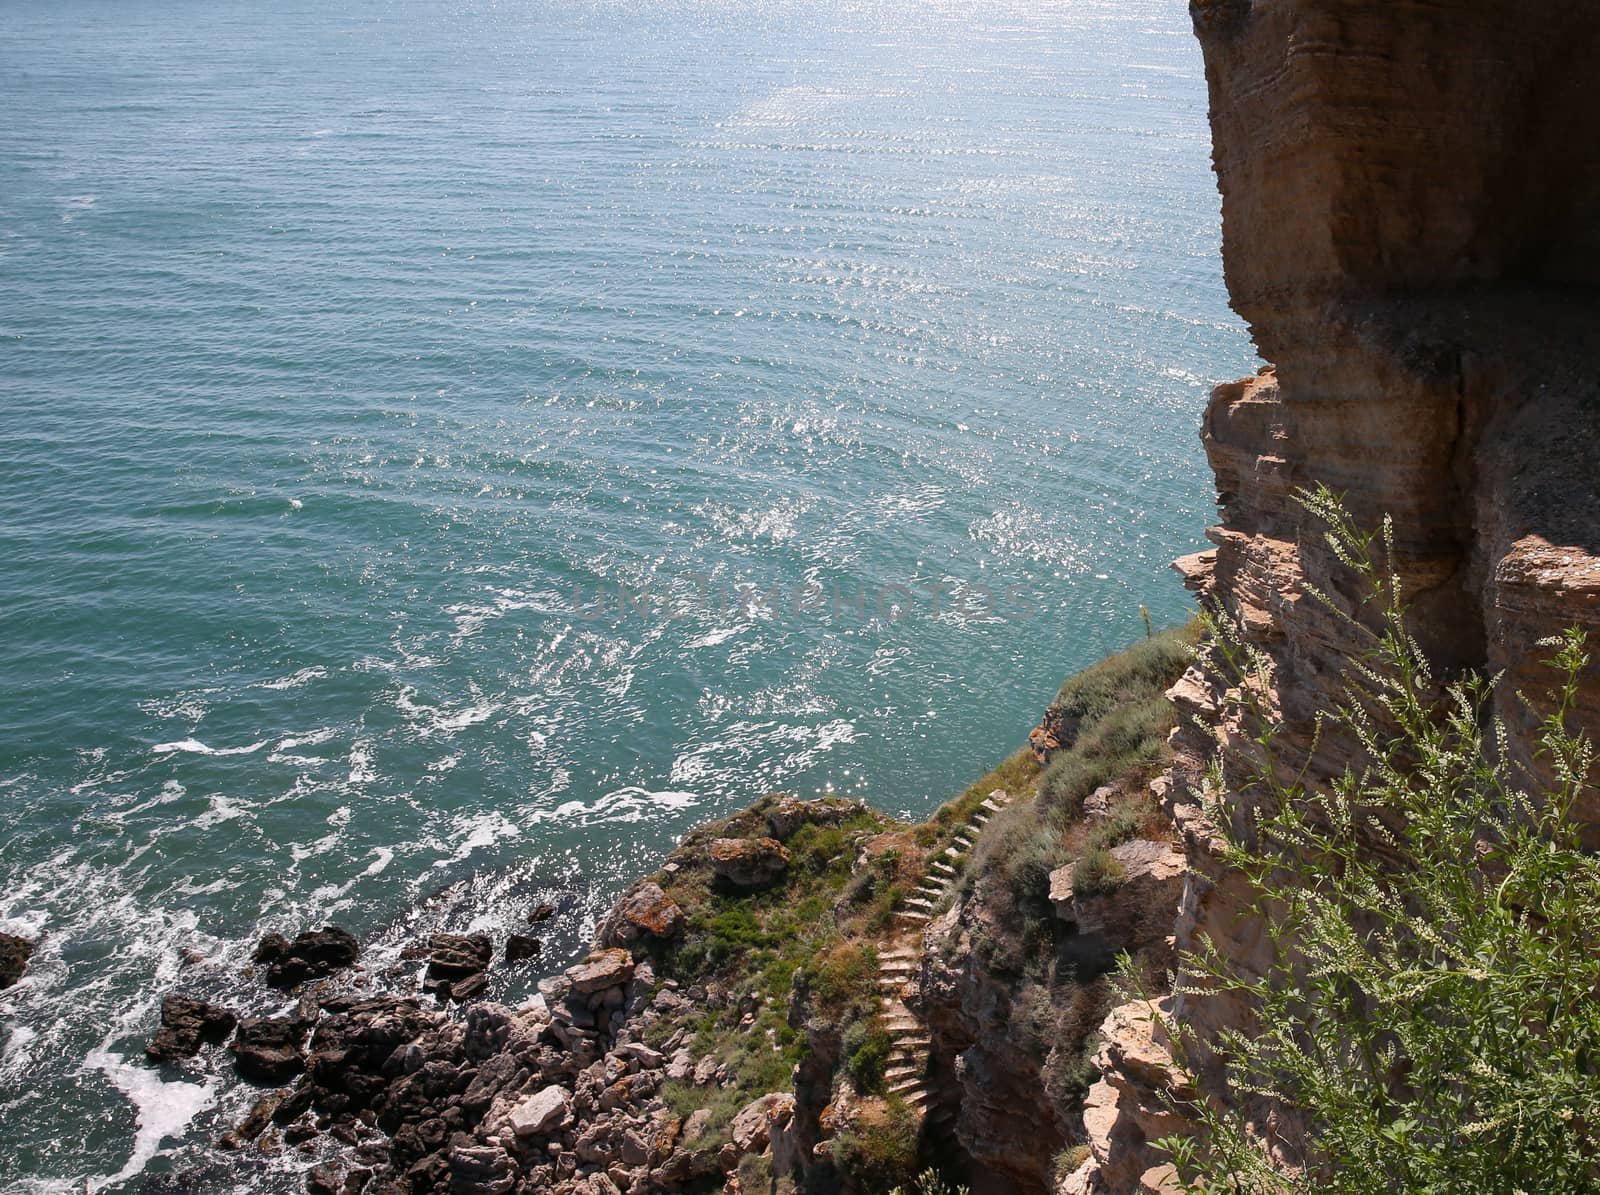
(343, 344)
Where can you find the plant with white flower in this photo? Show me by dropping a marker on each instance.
(1430, 1018)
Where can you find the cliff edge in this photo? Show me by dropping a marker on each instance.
(1411, 228)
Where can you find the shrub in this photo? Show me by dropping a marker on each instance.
(1096, 873)
(867, 1046)
(880, 1151)
(724, 1104)
(1123, 823)
(1027, 870)
(1473, 930)
(844, 979)
(755, 1173)
(930, 1182)
(1153, 664)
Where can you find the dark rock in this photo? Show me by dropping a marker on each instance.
(311, 955)
(541, 913)
(469, 988)
(259, 1116)
(520, 947)
(187, 1024)
(481, 1170)
(14, 955)
(268, 1049)
(453, 959)
(324, 1179)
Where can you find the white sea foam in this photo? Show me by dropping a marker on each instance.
(162, 1110)
(713, 638)
(295, 679)
(361, 769)
(222, 809)
(196, 747)
(482, 830)
(631, 804)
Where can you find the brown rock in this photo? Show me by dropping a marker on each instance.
(645, 911)
(310, 955)
(749, 862)
(269, 1049)
(454, 959)
(186, 1024)
(14, 955)
(601, 970)
(521, 947)
(788, 814)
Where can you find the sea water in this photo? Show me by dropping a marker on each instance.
(361, 362)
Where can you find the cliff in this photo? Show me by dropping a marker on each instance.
(1409, 199)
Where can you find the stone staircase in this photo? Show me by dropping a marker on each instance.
(905, 1075)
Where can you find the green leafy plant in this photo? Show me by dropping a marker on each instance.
(867, 1046)
(1429, 1008)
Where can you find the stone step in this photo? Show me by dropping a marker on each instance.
(897, 966)
(943, 868)
(931, 889)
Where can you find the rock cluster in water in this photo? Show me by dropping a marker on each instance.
(14, 955)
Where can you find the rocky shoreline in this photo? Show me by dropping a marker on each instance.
(403, 1093)
(807, 995)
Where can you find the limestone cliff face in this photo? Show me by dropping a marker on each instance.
(1411, 228)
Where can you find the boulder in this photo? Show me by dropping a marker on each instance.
(269, 1049)
(310, 955)
(542, 1112)
(481, 1170)
(751, 1130)
(1141, 910)
(601, 970)
(325, 1178)
(749, 862)
(187, 1024)
(1098, 804)
(521, 947)
(643, 912)
(14, 955)
(453, 961)
(788, 814)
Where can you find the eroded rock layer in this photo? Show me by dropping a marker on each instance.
(1411, 227)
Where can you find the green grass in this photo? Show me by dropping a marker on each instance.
(1118, 717)
(1096, 873)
